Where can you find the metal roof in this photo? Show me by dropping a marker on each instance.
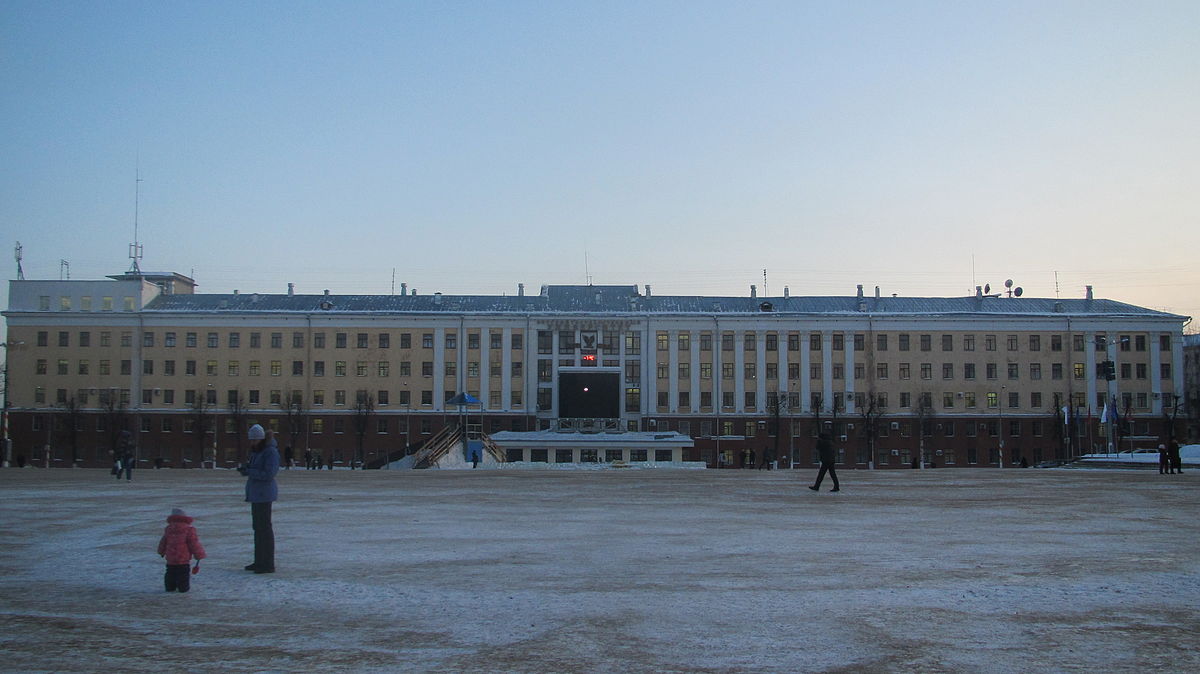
(627, 300)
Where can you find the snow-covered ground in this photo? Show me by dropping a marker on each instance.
(950, 570)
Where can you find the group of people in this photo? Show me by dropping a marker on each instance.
(1169, 461)
(180, 543)
(313, 461)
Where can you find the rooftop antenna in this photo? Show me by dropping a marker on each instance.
(765, 293)
(64, 270)
(18, 253)
(135, 248)
(393, 280)
(586, 274)
(1056, 286)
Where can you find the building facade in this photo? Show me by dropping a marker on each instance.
(962, 381)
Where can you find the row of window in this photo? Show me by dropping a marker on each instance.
(904, 342)
(234, 399)
(233, 368)
(925, 400)
(85, 303)
(903, 370)
(233, 340)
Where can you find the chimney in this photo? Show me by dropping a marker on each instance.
(413, 292)
(236, 291)
(647, 290)
(978, 292)
(545, 290)
(786, 292)
(437, 298)
(520, 290)
(1089, 292)
(597, 298)
(753, 290)
(403, 289)
(876, 292)
(291, 289)
(860, 294)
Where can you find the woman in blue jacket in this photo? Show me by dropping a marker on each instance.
(261, 491)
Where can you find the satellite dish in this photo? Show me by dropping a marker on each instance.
(1008, 283)
(987, 288)
(1019, 291)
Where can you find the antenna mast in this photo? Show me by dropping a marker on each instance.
(19, 253)
(586, 274)
(765, 293)
(64, 270)
(135, 248)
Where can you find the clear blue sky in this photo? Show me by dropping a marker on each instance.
(919, 146)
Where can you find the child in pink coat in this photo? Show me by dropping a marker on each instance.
(179, 543)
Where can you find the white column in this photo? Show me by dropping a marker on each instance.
(506, 362)
(694, 353)
(827, 370)
(1155, 375)
(805, 381)
(673, 371)
(1089, 368)
(848, 345)
(739, 370)
(439, 369)
(760, 370)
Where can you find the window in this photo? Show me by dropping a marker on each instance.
(685, 370)
(1056, 342)
(360, 368)
(860, 342)
(661, 340)
(1077, 342)
(318, 340)
(991, 370)
(839, 341)
(1078, 370)
(297, 368)
(64, 338)
(947, 399)
(1014, 370)
(339, 368)
(212, 341)
(383, 368)
(968, 370)
(993, 400)
(147, 339)
(210, 368)
(947, 370)
(1164, 342)
(926, 371)
(772, 342)
(451, 340)
(126, 339)
(749, 341)
(276, 340)
(947, 342)
(881, 370)
(814, 342)
(1012, 342)
(382, 397)
(361, 340)
(751, 370)
(63, 366)
(495, 339)
(1056, 371)
(189, 367)
(903, 339)
(235, 339)
(706, 370)
(926, 342)
(64, 303)
(297, 340)
(1164, 370)
(839, 371)
(1139, 344)
(968, 342)
(881, 342)
(339, 397)
(750, 400)
(1035, 401)
(726, 370)
(85, 338)
(905, 372)
(256, 340)
(339, 340)
(1140, 368)
(1035, 342)
(969, 399)
(276, 368)
(1014, 399)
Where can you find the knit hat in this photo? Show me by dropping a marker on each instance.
(178, 511)
(257, 432)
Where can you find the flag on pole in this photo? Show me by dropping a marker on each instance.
(1104, 414)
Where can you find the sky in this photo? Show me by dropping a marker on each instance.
(698, 147)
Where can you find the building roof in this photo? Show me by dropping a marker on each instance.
(627, 300)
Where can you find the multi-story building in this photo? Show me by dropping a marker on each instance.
(1190, 405)
(956, 381)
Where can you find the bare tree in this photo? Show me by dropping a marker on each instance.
(199, 416)
(777, 405)
(238, 414)
(294, 408)
(871, 413)
(116, 416)
(73, 412)
(364, 409)
(924, 414)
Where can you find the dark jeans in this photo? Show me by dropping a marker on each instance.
(827, 468)
(264, 535)
(178, 577)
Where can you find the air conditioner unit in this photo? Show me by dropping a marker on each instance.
(895, 452)
(961, 394)
(850, 426)
(895, 425)
(157, 391)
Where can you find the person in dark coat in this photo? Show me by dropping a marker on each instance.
(125, 455)
(828, 458)
(261, 492)
(1164, 460)
(1176, 460)
(288, 456)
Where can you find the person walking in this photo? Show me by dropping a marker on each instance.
(1176, 459)
(1164, 459)
(125, 454)
(179, 543)
(828, 457)
(261, 492)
